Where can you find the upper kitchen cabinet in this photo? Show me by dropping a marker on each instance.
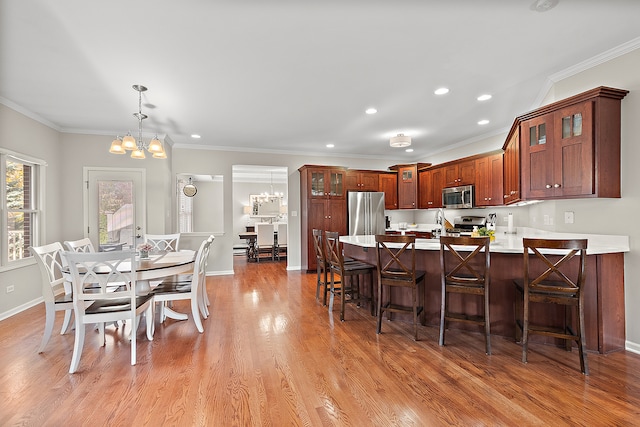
(459, 173)
(408, 184)
(571, 148)
(324, 181)
(431, 183)
(359, 180)
(511, 167)
(388, 183)
(488, 180)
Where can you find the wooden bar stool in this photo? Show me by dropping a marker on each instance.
(394, 272)
(561, 282)
(348, 271)
(464, 269)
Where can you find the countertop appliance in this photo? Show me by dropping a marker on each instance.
(460, 197)
(366, 213)
(465, 224)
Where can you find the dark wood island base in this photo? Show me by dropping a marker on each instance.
(604, 296)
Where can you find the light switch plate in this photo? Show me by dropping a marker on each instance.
(568, 217)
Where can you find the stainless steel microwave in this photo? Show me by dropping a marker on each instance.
(458, 197)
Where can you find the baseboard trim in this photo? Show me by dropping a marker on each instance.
(20, 308)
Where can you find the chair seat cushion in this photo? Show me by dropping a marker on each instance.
(178, 278)
(112, 305)
(400, 275)
(550, 288)
(172, 288)
(357, 266)
(63, 298)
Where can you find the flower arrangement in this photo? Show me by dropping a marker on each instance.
(145, 247)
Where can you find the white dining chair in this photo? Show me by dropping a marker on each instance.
(176, 288)
(81, 245)
(56, 291)
(264, 240)
(163, 242)
(95, 300)
(281, 246)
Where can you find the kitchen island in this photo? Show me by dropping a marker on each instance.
(604, 285)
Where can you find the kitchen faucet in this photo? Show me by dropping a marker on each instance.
(440, 221)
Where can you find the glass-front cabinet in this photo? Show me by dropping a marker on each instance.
(326, 182)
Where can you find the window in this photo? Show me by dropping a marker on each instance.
(21, 217)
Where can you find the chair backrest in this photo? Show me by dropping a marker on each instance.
(163, 242)
(102, 276)
(200, 267)
(265, 234)
(282, 234)
(390, 253)
(333, 250)
(465, 260)
(318, 245)
(82, 245)
(558, 276)
(49, 259)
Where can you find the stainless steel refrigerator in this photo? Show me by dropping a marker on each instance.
(366, 213)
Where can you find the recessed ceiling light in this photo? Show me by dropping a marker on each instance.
(409, 150)
(195, 136)
(371, 111)
(484, 97)
(330, 145)
(483, 122)
(441, 91)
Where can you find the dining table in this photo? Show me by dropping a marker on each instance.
(154, 267)
(252, 238)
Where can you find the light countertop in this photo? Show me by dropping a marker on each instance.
(512, 243)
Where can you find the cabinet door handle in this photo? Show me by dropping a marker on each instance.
(505, 196)
(556, 186)
(548, 185)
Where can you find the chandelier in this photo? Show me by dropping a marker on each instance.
(129, 143)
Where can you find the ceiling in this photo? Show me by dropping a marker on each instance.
(285, 76)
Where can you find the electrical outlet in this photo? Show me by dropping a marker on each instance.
(10, 288)
(546, 220)
(568, 217)
(505, 219)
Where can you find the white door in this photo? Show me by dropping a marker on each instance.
(115, 203)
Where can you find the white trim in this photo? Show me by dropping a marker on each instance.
(605, 56)
(220, 273)
(632, 347)
(20, 109)
(23, 157)
(20, 308)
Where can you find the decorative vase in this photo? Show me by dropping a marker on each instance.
(144, 254)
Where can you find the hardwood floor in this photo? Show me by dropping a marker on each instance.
(272, 355)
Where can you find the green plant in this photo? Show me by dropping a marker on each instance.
(486, 232)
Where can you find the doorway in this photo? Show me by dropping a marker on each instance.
(252, 183)
(115, 207)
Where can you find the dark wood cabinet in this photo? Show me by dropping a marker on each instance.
(407, 187)
(571, 148)
(488, 181)
(358, 180)
(322, 182)
(323, 206)
(388, 183)
(459, 173)
(511, 167)
(431, 182)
